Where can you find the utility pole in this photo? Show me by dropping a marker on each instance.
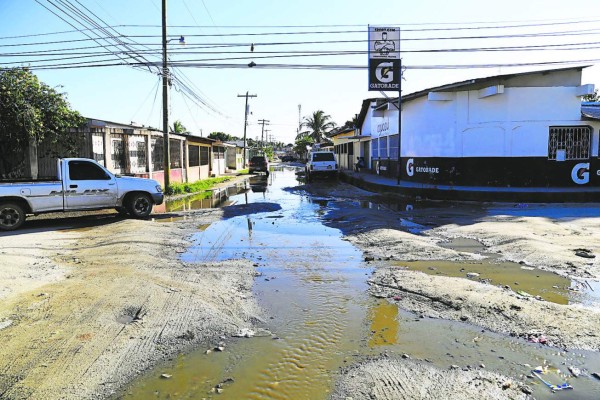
(245, 120)
(263, 122)
(165, 95)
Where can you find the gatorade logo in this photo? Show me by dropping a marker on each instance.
(385, 72)
(581, 173)
(410, 167)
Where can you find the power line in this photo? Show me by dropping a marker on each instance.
(488, 25)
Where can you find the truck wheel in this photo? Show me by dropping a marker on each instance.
(139, 205)
(12, 216)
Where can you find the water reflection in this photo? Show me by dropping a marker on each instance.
(259, 183)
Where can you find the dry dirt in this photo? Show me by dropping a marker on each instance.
(84, 311)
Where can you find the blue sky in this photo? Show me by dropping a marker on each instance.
(124, 94)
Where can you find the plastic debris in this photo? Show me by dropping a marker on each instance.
(562, 386)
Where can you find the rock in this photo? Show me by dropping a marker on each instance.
(219, 390)
(406, 356)
(506, 385)
(526, 389)
(585, 253)
(464, 318)
(454, 366)
(220, 348)
(165, 376)
(369, 258)
(574, 371)
(482, 365)
(596, 375)
(472, 275)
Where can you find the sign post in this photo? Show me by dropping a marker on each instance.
(385, 69)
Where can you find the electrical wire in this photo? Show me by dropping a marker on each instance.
(514, 24)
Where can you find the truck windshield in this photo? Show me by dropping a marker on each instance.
(323, 157)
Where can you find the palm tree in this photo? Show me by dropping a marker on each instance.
(318, 125)
(179, 128)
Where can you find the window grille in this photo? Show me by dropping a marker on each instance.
(204, 155)
(194, 156)
(569, 143)
(175, 153)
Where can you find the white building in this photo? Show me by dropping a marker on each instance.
(496, 138)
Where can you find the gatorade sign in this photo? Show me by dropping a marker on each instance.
(384, 58)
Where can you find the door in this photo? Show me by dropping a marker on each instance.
(89, 186)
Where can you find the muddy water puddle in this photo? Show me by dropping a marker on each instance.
(312, 285)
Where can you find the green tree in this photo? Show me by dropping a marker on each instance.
(302, 142)
(591, 97)
(222, 136)
(179, 128)
(32, 112)
(318, 125)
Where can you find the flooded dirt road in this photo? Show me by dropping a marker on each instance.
(321, 326)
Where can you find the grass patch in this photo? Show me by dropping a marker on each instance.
(198, 186)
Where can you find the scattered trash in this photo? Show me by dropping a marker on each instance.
(585, 253)
(472, 275)
(5, 324)
(562, 386)
(574, 371)
(397, 298)
(537, 339)
(245, 332)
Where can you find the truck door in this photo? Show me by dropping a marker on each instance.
(89, 186)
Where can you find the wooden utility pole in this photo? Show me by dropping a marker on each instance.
(165, 96)
(245, 121)
(263, 122)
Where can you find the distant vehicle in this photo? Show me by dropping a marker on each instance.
(81, 184)
(321, 163)
(258, 164)
(288, 158)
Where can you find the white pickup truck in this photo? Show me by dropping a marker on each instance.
(82, 184)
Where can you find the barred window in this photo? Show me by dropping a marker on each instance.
(383, 147)
(374, 148)
(194, 155)
(569, 143)
(175, 153)
(204, 155)
(118, 154)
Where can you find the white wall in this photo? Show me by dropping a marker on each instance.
(512, 123)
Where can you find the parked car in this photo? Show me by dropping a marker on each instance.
(321, 163)
(258, 164)
(288, 158)
(81, 184)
